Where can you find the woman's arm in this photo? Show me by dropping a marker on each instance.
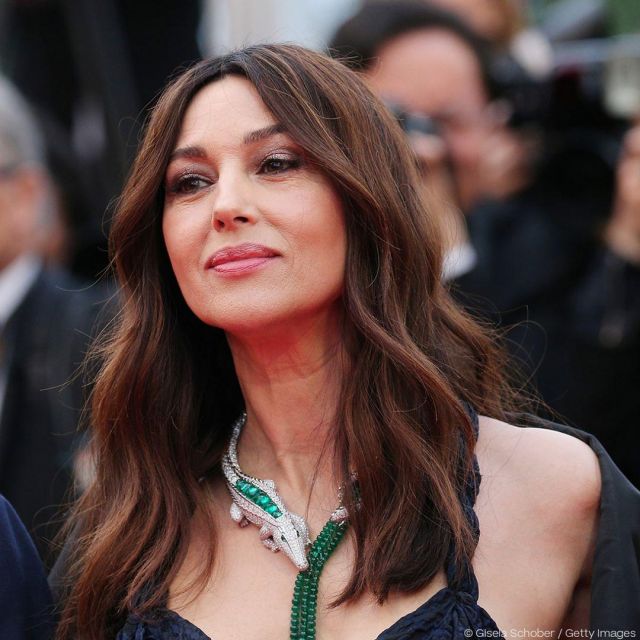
(579, 613)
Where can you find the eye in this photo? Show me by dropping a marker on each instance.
(188, 184)
(278, 164)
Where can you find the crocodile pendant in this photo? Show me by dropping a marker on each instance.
(256, 501)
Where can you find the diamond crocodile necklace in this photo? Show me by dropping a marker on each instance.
(257, 501)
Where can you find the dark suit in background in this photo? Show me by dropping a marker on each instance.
(572, 309)
(45, 342)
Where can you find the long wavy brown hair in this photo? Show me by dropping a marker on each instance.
(166, 393)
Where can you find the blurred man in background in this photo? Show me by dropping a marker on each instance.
(46, 319)
(426, 62)
(90, 68)
(528, 253)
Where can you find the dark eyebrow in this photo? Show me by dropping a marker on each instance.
(196, 152)
(265, 132)
(188, 152)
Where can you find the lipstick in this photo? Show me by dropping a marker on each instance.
(240, 258)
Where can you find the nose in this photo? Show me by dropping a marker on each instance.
(233, 206)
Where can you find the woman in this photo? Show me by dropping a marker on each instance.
(275, 258)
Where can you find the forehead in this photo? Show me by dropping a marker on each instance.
(482, 14)
(429, 70)
(223, 111)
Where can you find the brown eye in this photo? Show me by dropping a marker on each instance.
(188, 184)
(278, 164)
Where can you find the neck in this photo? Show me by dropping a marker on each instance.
(290, 380)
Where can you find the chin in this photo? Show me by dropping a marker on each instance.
(247, 321)
(255, 319)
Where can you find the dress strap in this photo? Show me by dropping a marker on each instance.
(466, 581)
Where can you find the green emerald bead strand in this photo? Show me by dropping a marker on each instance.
(305, 590)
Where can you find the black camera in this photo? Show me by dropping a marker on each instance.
(580, 111)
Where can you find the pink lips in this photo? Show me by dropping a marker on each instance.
(241, 258)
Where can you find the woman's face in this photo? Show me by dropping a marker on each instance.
(255, 234)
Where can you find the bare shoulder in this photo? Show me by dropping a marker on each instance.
(550, 471)
(538, 509)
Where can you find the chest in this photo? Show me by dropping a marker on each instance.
(249, 594)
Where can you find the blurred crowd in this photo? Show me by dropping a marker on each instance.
(525, 122)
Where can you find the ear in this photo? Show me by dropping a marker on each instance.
(30, 187)
(23, 205)
(498, 112)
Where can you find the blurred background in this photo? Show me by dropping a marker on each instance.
(523, 116)
(91, 68)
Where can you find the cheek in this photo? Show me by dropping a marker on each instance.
(337, 251)
(181, 241)
(328, 241)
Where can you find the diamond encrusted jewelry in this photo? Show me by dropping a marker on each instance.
(257, 501)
